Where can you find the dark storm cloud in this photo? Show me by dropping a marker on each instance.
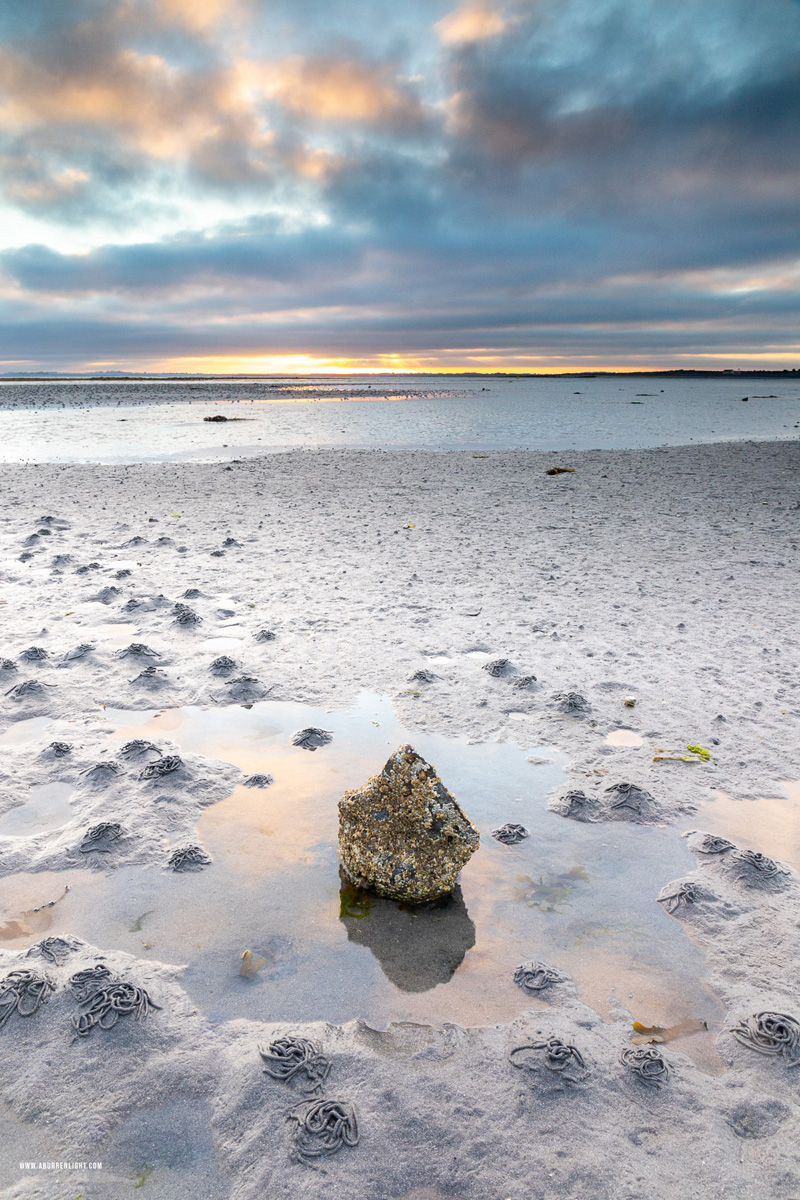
(523, 178)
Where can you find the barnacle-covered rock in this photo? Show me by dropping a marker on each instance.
(403, 835)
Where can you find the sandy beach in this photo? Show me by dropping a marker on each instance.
(667, 577)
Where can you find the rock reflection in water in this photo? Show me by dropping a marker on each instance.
(418, 946)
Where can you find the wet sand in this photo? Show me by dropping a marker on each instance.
(669, 575)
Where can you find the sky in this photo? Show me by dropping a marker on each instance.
(304, 185)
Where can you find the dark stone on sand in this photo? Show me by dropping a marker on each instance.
(403, 835)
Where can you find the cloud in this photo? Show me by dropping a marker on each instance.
(342, 91)
(549, 174)
(470, 23)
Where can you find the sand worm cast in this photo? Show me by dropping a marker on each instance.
(422, 676)
(168, 765)
(579, 807)
(323, 1126)
(138, 650)
(107, 594)
(572, 704)
(22, 992)
(35, 654)
(771, 1033)
(79, 652)
(258, 781)
(60, 749)
(510, 834)
(648, 1064)
(289, 1057)
(683, 896)
(150, 676)
(186, 616)
(535, 976)
(265, 635)
(562, 1058)
(188, 858)
(312, 738)
(102, 771)
(498, 667)
(101, 837)
(629, 796)
(7, 664)
(30, 687)
(102, 1005)
(138, 747)
(86, 982)
(523, 681)
(222, 665)
(710, 844)
(54, 949)
(754, 869)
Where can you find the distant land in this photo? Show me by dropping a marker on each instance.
(123, 376)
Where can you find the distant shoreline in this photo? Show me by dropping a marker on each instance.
(115, 377)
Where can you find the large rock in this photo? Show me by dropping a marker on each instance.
(403, 835)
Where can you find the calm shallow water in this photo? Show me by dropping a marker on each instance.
(141, 422)
(581, 897)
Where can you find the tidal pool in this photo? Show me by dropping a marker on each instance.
(581, 897)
